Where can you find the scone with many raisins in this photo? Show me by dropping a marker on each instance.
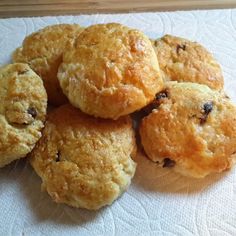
(191, 129)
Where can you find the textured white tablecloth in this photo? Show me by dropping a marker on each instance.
(158, 202)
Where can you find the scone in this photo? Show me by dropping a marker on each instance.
(83, 161)
(185, 61)
(191, 129)
(22, 111)
(42, 50)
(111, 71)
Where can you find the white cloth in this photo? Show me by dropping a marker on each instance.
(158, 202)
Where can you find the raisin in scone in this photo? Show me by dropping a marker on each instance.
(83, 161)
(185, 61)
(191, 129)
(42, 50)
(22, 111)
(111, 71)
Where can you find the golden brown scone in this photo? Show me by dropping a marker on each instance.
(42, 50)
(111, 71)
(185, 61)
(83, 161)
(191, 129)
(22, 111)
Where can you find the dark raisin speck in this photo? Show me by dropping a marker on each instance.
(168, 163)
(162, 94)
(179, 47)
(155, 103)
(207, 108)
(58, 156)
(32, 112)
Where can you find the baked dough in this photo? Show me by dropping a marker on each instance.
(185, 61)
(22, 111)
(111, 71)
(191, 129)
(42, 50)
(83, 161)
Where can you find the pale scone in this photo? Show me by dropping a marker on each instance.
(43, 50)
(22, 111)
(111, 71)
(83, 161)
(185, 61)
(191, 129)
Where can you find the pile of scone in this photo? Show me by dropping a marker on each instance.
(95, 78)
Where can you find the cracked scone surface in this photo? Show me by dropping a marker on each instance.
(22, 111)
(111, 71)
(191, 129)
(185, 61)
(42, 50)
(83, 161)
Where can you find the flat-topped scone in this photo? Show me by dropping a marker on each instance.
(185, 61)
(191, 129)
(111, 71)
(22, 111)
(83, 161)
(42, 50)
